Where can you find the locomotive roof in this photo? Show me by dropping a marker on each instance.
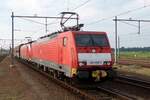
(52, 35)
(74, 32)
(91, 32)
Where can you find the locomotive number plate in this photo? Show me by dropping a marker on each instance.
(94, 62)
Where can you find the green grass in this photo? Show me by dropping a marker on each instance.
(137, 54)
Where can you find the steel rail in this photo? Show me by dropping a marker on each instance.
(80, 93)
(2, 57)
(65, 85)
(133, 81)
(133, 62)
(120, 94)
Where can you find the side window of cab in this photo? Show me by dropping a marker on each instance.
(64, 41)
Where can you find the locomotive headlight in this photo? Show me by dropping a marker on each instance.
(108, 63)
(83, 63)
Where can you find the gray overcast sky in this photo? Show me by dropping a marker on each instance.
(92, 11)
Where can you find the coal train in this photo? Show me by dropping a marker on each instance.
(71, 53)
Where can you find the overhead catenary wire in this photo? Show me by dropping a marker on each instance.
(54, 21)
(129, 24)
(123, 13)
(79, 6)
(143, 27)
(32, 21)
(51, 23)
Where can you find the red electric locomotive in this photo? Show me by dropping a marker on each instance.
(72, 53)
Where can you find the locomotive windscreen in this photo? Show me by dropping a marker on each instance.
(91, 40)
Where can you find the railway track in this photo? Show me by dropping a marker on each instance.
(131, 87)
(83, 94)
(2, 57)
(145, 63)
(63, 84)
(115, 93)
(133, 81)
(111, 91)
(120, 82)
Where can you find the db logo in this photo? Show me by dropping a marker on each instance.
(93, 50)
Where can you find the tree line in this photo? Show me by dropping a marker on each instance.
(135, 49)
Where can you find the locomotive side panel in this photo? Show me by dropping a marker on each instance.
(57, 53)
(35, 51)
(45, 52)
(50, 50)
(67, 54)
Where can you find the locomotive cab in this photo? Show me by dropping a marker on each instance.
(94, 59)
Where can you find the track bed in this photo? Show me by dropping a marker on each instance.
(22, 83)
